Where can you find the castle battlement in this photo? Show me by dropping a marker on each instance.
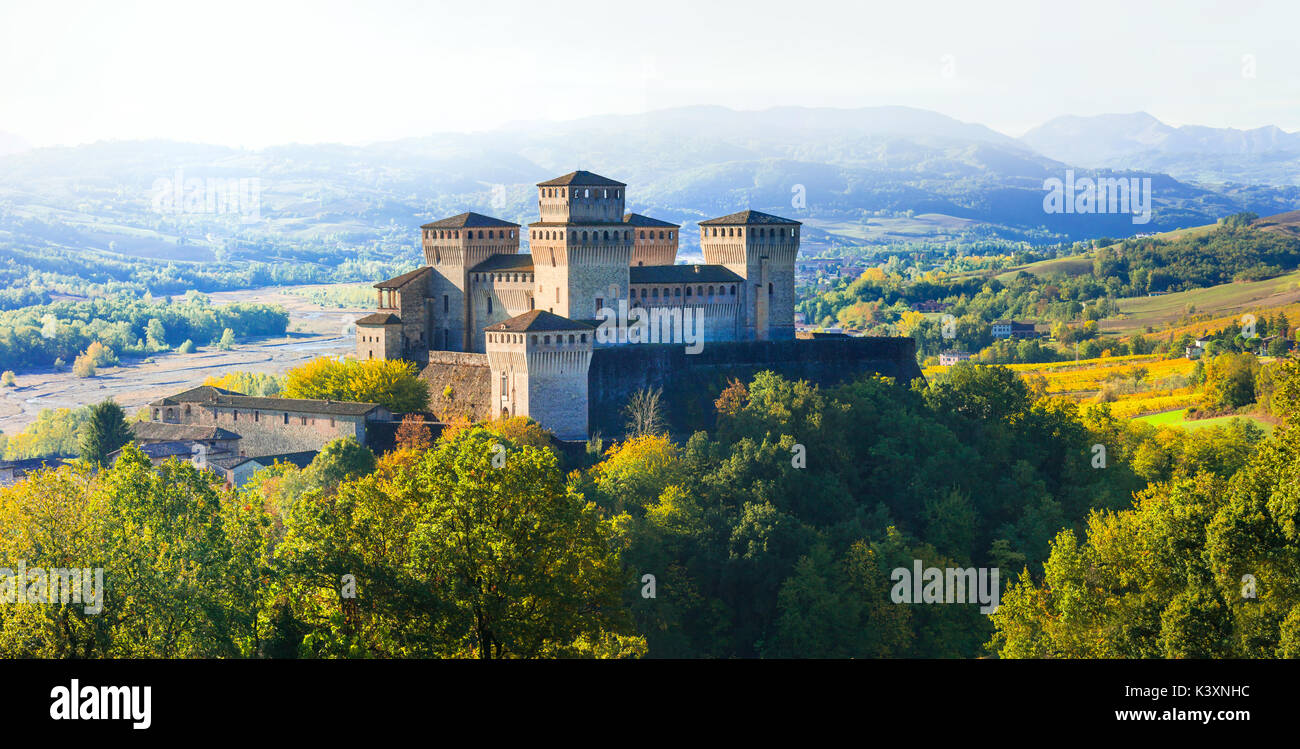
(534, 315)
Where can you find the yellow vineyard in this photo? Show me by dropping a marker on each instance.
(1083, 380)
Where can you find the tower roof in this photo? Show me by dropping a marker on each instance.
(536, 321)
(636, 219)
(504, 261)
(469, 220)
(586, 179)
(380, 318)
(682, 274)
(747, 217)
(402, 280)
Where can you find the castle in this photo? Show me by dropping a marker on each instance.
(530, 324)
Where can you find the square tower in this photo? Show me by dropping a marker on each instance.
(581, 248)
(452, 247)
(761, 248)
(539, 364)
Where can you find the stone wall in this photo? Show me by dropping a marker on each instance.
(470, 380)
(691, 383)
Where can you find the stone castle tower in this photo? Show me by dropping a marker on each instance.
(761, 249)
(452, 247)
(532, 317)
(539, 364)
(581, 247)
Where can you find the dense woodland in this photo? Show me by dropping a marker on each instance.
(752, 555)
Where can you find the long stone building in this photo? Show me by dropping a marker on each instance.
(595, 278)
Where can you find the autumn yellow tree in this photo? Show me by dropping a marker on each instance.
(391, 383)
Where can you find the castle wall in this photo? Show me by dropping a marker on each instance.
(470, 381)
(654, 246)
(274, 432)
(691, 383)
(573, 272)
(497, 297)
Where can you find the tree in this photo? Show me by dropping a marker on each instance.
(186, 348)
(643, 413)
(7, 379)
(412, 434)
(342, 458)
(1230, 380)
(83, 367)
(156, 335)
(227, 341)
(391, 383)
(104, 432)
(475, 549)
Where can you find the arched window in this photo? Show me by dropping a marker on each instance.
(688, 291)
(546, 339)
(606, 237)
(490, 234)
(643, 234)
(733, 289)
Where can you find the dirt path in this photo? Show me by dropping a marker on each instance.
(313, 331)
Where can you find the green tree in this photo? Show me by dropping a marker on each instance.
(227, 341)
(104, 432)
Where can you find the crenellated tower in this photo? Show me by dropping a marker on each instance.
(761, 248)
(581, 247)
(452, 248)
(539, 364)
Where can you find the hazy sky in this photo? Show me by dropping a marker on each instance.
(267, 72)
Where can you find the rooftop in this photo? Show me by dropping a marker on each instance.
(157, 431)
(380, 318)
(636, 219)
(748, 217)
(682, 274)
(468, 220)
(207, 395)
(300, 459)
(404, 279)
(537, 321)
(505, 261)
(586, 179)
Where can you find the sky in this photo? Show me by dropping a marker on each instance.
(253, 74)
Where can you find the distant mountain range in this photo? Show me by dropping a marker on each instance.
(872, 175)
(1263, 155)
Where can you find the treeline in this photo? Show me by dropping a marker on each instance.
(30, 276)
(42, 335)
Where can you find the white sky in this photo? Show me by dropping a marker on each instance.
(261, 73)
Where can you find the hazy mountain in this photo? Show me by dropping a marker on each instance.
(871, 175)
(1267, 155)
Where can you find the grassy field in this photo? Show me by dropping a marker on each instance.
(1179, 419)
(1225, 303)
(1074, 265)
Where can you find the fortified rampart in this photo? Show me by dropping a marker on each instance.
(692, 382)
